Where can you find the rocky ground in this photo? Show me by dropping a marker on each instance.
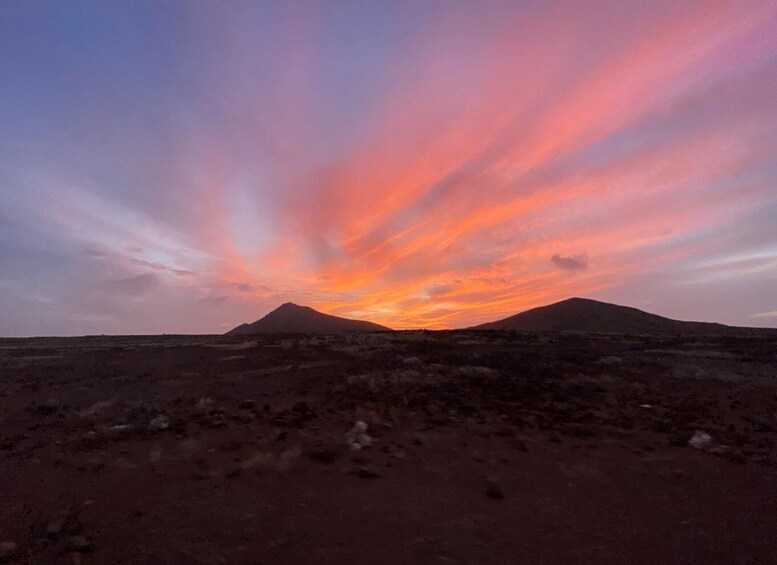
(413, 447)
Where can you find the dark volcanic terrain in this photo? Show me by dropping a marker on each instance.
(396, 447)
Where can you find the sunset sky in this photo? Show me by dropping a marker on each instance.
(185, 166)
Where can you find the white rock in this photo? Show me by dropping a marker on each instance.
(364, 440)
(161, 422)
(357, 437)
(700, 440)
(206, 403)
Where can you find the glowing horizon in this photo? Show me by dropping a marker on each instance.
(186, 167)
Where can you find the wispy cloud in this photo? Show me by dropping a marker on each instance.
(132, 286)
(571, 263)
(764, 315)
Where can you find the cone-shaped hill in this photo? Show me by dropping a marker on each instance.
(291, 318)
(592, 316)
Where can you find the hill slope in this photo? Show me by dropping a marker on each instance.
(592, 316)
(291, 318)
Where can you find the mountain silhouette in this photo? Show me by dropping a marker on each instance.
(292, 318)
(591, 316)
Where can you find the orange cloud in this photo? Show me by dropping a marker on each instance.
(461, 172)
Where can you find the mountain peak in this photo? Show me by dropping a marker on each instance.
(579, 300)
(293, 318)
(593, 316)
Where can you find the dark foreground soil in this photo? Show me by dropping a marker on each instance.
(487, 448)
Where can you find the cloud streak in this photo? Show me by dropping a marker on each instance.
(764, 315)
(570, 263)
(137, 285)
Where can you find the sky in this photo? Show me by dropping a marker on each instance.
(186, 166)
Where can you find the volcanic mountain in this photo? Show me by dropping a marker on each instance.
(291, 318)
(591, 316)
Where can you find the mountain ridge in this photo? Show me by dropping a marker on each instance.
(585, 315)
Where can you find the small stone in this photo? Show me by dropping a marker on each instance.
(367, 473)
(247, 404)
(215, 420)
(245, 418)
(119, 431)
(47, 407)
(81, 544)
(160, 423)
(700, 440)
(357, 437)
(494, 489)
(7, 550)
(206, 403)
(55, 527)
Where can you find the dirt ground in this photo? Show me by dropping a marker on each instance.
(479, 448)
